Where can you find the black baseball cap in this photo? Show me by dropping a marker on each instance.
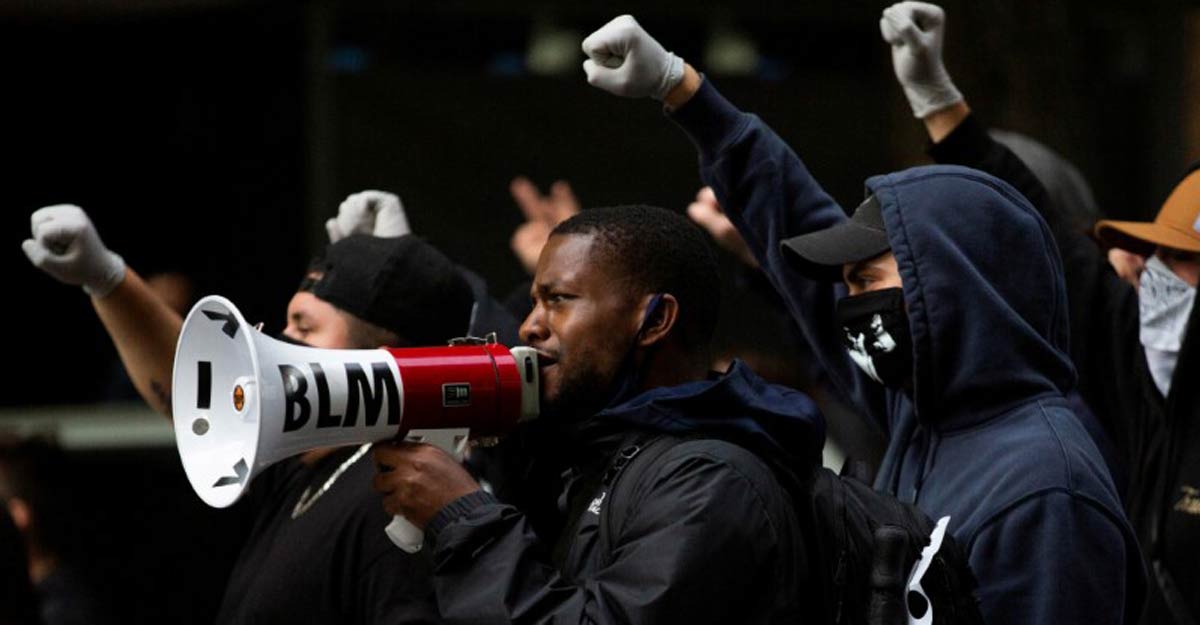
(821, 254)
(401, 284)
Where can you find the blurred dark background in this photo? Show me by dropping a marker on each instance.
(214, 137)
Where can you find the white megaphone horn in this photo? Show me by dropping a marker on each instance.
(242, 400)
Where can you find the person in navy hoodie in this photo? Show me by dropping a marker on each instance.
(950, 330)
(1135, 329)
(625, 303)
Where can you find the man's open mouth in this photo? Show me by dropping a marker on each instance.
(546, 360)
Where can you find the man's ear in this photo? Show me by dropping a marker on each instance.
(659, 321)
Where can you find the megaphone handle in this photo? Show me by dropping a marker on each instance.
(401, 531)
(404, 534)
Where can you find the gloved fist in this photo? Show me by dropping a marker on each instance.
(914, 30)
(66, 245)
(624, 60)
(377, 213)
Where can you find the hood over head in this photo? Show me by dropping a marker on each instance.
(984, 290)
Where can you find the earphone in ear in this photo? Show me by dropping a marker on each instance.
(651, 309)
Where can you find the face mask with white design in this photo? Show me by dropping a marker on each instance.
(876, 335)
(1165, 303)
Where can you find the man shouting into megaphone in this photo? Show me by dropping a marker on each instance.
(634, 504)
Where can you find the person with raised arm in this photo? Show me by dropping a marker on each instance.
(1133, 319)
(938, 308)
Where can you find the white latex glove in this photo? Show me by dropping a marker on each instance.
(914, 30)
(624, 60)
(66, 245)
(377, 213)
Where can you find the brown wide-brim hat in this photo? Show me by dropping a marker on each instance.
(1177, 225)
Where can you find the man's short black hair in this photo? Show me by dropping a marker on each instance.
(655, 250)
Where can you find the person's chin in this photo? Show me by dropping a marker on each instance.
(556, 406)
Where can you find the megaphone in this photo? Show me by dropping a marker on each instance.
(242, 400)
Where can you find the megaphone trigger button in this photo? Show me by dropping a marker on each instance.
(200, 426)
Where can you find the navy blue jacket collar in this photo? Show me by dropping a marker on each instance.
(736, 404)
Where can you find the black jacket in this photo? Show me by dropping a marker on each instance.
(332, 564)
(711, 536)
(1157, 438)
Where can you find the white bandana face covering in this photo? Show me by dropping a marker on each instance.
(1165, 302)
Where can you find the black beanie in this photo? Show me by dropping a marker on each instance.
(401, 284)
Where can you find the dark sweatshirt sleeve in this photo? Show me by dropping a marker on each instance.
(1104, 311)
(1054, 558)
(698, 546)
(770, 196)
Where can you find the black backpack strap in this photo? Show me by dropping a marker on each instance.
(580, 496)
(594, 489)
(629, 467)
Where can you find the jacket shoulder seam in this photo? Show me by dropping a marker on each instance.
(1062, 450)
